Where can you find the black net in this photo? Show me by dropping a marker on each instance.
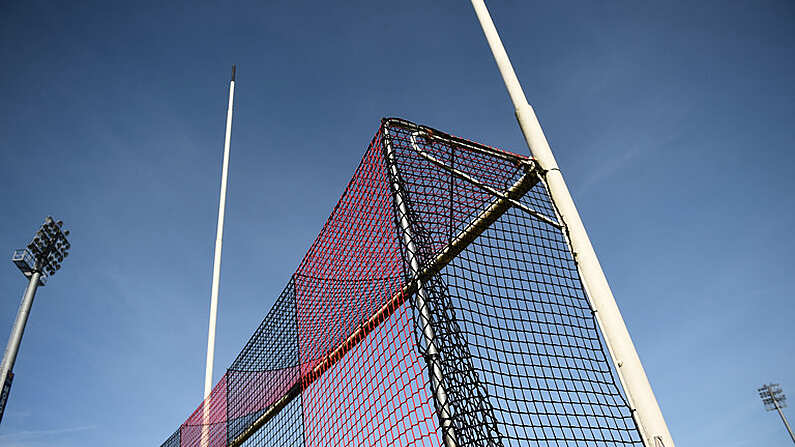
(440, 305)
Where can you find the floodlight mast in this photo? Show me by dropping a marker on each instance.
(640, 396)
(774, 399)
(41, 259)
(219, 238)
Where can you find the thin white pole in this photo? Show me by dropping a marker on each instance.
(219, 237)
(640, 396)
(219, 241)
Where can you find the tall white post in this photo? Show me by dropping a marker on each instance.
(219, 237)
(645, 408)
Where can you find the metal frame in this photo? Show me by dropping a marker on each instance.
(26, 263)
(466, 177)
(431, 354)
(485, 219)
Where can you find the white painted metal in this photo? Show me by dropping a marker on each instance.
(639, 393)
(219, 241)
(432, 352)
(219, 237)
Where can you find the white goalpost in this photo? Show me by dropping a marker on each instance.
(644, 406)
(452, 298)
(219, 241)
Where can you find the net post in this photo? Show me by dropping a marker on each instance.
(431, 354)
(640, 396)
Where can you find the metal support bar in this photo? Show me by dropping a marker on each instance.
(639, 393)
(468, 178)
(458, 244)
(14, 340)
(431, 354)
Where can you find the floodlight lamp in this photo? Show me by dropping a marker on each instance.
(772, 396)
(46, 250)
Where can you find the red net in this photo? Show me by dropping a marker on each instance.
(439, 303)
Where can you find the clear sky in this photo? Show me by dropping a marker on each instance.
(672, 121)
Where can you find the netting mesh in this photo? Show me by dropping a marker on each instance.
(440, 305)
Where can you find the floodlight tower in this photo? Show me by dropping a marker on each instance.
(38, 261)
(775, 399)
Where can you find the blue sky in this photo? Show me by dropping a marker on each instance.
(672, 122)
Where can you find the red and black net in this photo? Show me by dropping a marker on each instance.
(439, 306)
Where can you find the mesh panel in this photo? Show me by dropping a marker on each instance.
(439, 305)
(172, 441)
(285, 429)
(533, 338)
(267, 368)
(207, 425)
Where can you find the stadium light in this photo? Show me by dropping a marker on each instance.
(40, 260)
(774, 399)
